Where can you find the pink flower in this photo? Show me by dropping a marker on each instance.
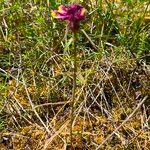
(72, 13)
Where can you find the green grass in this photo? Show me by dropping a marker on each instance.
(113, 53)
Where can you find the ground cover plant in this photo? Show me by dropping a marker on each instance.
(112, 97)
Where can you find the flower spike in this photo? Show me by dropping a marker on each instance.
(72, 13)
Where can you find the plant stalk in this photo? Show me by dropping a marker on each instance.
(74, 86)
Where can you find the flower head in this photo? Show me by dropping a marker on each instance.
(72, 13)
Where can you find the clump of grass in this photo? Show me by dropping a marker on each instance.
(112, 80)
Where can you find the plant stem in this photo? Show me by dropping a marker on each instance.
(74, 86)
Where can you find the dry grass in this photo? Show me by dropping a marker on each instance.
(112, 105)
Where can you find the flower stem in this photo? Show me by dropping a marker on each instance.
(74, 86)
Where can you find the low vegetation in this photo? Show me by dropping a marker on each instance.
(112, 99)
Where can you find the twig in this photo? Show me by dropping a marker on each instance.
(57, 103)
(32, 106)
(109, 136)
(94, 46)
